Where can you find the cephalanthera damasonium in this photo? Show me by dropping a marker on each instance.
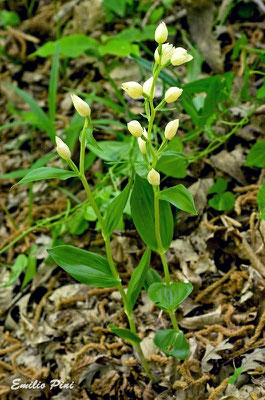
(166, 295)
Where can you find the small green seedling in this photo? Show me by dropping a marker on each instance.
(222, 200)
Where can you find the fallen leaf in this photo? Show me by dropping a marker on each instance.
(211, 354)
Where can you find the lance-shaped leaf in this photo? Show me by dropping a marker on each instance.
(46, 173)
(142, 208)
(169, 297)
(180, 197)
(90, 140)
(152, 276)
(137, 279)
(84, 266)
(125, 334)
(115, 209)
(172, 343)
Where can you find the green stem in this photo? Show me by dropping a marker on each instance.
(106, 237)
(165, 267)
(83, 148)
(174, 321)
(162, 253)
(157, 221)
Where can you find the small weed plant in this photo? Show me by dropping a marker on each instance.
(150, 209)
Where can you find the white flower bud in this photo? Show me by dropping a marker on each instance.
(135, 128)
(142, 145)
(147, 86)
(81, 106)
(153, 177)
(62, 149)
(172, 94)
(167, 52)
(144, 132)
(171, 129)
(161, 33)
(133, 89)
(180, 56)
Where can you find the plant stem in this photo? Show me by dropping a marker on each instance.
(83, 148)
(174, 321)
(157, 221)
(106, 237)
(161, 252)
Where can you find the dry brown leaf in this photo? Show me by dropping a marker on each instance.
(199, 322)
(230, 163)
(211, 354)
(200, 19)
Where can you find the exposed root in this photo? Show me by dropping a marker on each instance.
(157, 359)
(227, 317)
(14, 358)
(69, 302)
(257, 331)
(247, 252)
(97, 291)
(218, 390)
(210, 288)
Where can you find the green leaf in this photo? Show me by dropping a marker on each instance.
(172, 343)
(137, 279)
(142, 209)
(238, 371)
(111, 150)
(45, 123)
(9, 18)
(71, 46)
(168, 298)
(84, 266)
(218, 187)
(116, 6)
(17, 269)
(261, 199)
(53, 84)
(90, 140)
(256, 156)
(151, 277)
(46, 173)
(125, 334)
(222, 202)
(180, 197)
(115, 209)
(31, 267)
(172, 164)
(118, 47)
(242, 41)
(77, 223)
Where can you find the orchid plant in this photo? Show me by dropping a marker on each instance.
(150, 210)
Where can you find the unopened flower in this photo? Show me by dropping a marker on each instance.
(133, 89)
(171, 129)
(167, 52)
(161, 33)
(172, 94)
(153, 177)
(142, 145)
(135, 128)
(81, 106)
(62, 149)
(180, 56)
(147, 86)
